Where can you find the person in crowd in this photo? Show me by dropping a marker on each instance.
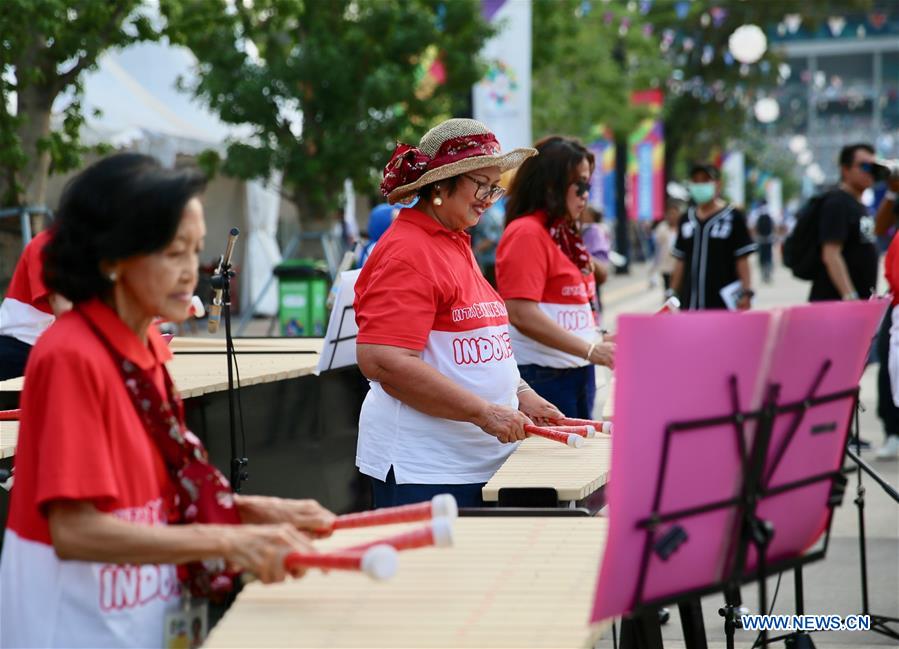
(888, 338)
(27, 310)
(846, 233)
(888, 353)
(545, 275)
(664, 235)
(598, 241)
(712, 247)
(446, 399)
(115, 501)
(379, 220)
(764, 231)
(485, 236)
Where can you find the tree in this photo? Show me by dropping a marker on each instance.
(45, 45)
(587, 60)
(328, 87)
(710, 95)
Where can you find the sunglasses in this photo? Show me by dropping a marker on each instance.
(582, 187)
(867, 167)
(486, 191)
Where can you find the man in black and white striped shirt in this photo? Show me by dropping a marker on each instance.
(712, 247)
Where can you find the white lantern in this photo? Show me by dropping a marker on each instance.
(798, 144)
(815, 173)
(767, 110)
(748, 43)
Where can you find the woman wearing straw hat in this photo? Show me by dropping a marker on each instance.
(446, 398)
(545, 274)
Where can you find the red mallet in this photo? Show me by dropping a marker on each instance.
(672, 305)
(574, 441)
(440, 506)
(378, 562)
(10, 415)
(439, 534)
(598, 426)
(584, 431)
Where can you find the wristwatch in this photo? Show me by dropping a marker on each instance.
(747, 292)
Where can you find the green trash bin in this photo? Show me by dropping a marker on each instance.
(302, 297)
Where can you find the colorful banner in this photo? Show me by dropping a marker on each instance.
(502, 99)
(602, 185)
(646, 171)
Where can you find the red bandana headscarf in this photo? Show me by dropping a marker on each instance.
(409, 163)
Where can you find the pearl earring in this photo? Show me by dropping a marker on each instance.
(112, 277)
(437, 201)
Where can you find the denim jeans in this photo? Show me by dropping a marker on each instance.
(387, 493)
(571, 390)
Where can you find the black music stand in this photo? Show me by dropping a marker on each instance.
(748, 531)
(238, 465)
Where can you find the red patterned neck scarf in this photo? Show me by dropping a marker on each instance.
(202, 494)
(568, 237)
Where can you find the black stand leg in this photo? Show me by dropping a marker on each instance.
(728, 612)
(238, 464)
(692, 624)
(799, 639)
(641, 631)
(879, 623)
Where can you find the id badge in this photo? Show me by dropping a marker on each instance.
(186, 627)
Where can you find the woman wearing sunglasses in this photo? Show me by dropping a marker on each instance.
(545, 274)
(446, 398)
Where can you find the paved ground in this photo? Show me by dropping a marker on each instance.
(833, 585)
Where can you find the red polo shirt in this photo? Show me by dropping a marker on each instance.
(530, 266)
(422, 289)
(25, 312)
(81, 440)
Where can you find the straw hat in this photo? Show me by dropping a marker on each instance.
(449, 149)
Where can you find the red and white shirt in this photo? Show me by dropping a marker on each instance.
(25, 312)
(530, 266)
(81, 440)
(421, 289)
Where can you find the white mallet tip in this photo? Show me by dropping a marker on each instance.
(444, 506)
(591, 432)
(442, 529)
(607, 427)
(380, 562)
(575, 441)
(197, 309)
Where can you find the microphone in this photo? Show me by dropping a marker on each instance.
(215, 308)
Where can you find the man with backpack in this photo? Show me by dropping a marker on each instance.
(848, 252)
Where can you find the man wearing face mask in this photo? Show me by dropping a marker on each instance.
(712, 247)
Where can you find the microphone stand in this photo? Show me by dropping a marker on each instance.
(238, 465)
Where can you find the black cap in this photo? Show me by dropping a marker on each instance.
(705, 168)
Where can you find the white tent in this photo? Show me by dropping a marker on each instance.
(142, 109)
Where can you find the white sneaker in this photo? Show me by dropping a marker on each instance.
(890, 450)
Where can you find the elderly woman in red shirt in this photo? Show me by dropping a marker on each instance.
(115, 502)
(446, 397)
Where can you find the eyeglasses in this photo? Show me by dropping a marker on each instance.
(582, 186)
(485, 191)
(867, 167)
